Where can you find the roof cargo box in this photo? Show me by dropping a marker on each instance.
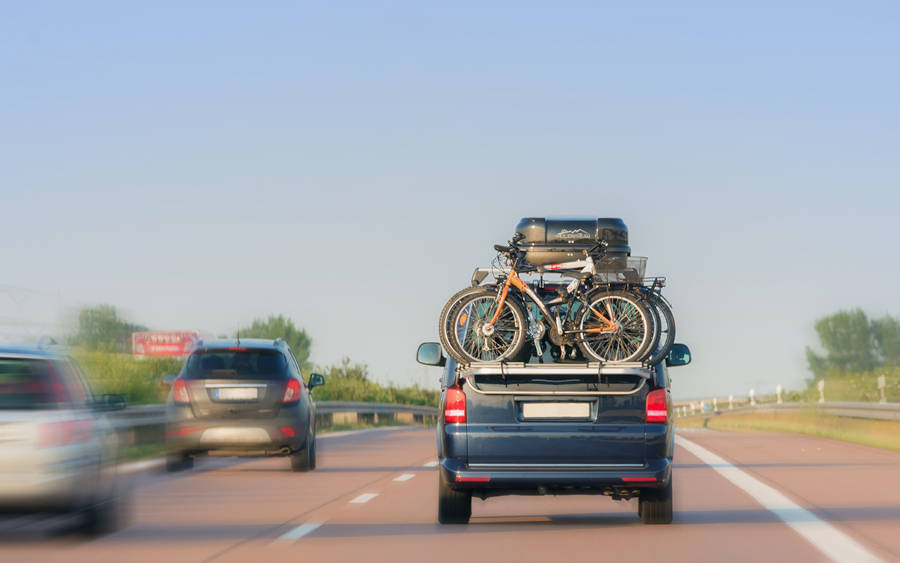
(553, 240)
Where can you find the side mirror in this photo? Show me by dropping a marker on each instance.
(169, 379)
(315, 380)
(429, 354)
(109, 403)
(679, 355)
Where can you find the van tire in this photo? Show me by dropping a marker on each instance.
(454, 507)
(655, 505)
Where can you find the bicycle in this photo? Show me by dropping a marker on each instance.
(489, 324)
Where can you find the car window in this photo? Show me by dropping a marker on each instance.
(243, 363)
(74, 381)
(30, 384)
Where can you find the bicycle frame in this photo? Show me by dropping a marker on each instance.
(513, 279)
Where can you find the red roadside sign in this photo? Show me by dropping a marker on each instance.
(166, 344)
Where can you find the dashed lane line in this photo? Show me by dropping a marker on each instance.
(298, 532)
(365, 497)
(835, 544)
(431, 463)
(404, 477)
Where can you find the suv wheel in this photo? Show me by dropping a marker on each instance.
(178, 462)
(454, 507)
(305, 459)
(655, 506)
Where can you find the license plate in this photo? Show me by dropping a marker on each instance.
(236, 393)
(556, 410)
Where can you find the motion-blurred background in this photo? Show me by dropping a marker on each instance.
(202, 166)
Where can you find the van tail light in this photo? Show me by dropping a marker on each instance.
(291, 391)
(455, 406)
(180, 394)
(64, 433)
(656, 406)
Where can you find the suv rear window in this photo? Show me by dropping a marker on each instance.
(236, 364)
(27, 384)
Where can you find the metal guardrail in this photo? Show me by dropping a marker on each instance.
(152, 415)
(331, 407)
(880, 411)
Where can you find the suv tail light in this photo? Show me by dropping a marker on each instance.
(180, 394)
(291, 391)
(455, 406)
(656, 406)
(63, 433)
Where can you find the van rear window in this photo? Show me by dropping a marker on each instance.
(236, 364)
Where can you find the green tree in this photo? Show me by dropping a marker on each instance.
(849, 343)
(279, 326)
(101, 327)
(886, 332)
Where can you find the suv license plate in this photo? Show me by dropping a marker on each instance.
(556, 410)
(236, 393)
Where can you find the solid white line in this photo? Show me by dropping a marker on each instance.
(404, 477)
(299, 532)
(431, 464)
(365, 497)
(823, 536)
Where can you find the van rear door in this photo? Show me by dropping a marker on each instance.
(555, 416)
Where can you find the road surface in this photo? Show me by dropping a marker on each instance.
(765, 497)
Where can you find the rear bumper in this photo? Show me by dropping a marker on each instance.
(280, 435)
(572, 479)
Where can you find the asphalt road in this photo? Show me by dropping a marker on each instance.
(765, 497)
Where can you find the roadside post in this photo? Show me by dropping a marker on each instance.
(753, 397)
(778, 390)
(730, 401)
(715, 404)
(821, 387)
(882, 384)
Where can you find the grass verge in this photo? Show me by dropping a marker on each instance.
(878, 433)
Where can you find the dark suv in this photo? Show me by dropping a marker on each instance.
(241, 397)
(533, 429)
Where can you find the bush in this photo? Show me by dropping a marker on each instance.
(857, 386)
(348, 381)
(139, 380)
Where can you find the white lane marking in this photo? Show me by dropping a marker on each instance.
(133, 466)
(431, 464)
(823, 536)
(404, 477)
(298, 532)
(365, 497)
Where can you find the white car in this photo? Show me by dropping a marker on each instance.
(57, 451)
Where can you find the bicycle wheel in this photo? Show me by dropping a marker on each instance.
(475, 341)
(656, 325)
(448, 316)
(630, 338)
(667, 329)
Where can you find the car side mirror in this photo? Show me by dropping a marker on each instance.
(109, 403)
(169, 379)
(429, 354)
(315, 380)
(679, 355)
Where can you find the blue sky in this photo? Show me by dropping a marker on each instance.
(348, 165)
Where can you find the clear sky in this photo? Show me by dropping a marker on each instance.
(348, 164)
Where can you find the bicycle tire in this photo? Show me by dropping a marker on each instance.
(664, 346)
(628, 344)
(470, 345)
(448, 314)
